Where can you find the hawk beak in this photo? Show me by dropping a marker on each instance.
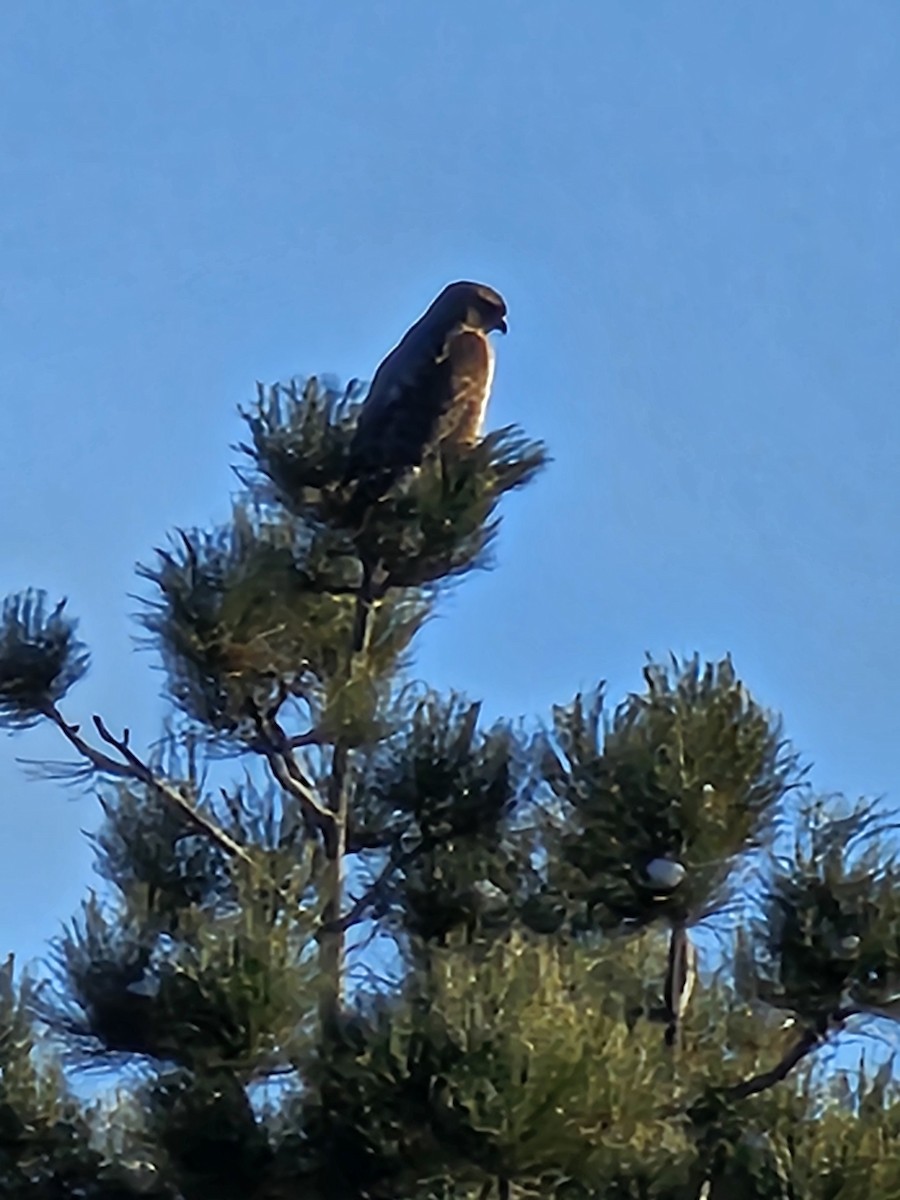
(502, 326)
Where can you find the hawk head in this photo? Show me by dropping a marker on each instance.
(474, 305)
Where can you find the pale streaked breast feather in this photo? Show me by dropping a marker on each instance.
(470, 360)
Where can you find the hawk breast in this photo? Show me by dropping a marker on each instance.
(468, 371)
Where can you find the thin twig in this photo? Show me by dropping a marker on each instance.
(95, 757)
(135, 768)
(287, 773)
(277, 749)
(358, 909)
(312, 737)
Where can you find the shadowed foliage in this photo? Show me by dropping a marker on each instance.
(690, 770)
(40, 658)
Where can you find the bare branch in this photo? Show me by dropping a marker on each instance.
(816, 1035)
(134, 768)
(287, 773)
(276, 748)
(96, 757)
(358, 909)
(122, 744)
(312, 737)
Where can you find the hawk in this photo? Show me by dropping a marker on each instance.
(431, 390)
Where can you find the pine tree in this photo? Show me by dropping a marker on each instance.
(353, 943)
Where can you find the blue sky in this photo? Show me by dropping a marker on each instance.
(692, 211)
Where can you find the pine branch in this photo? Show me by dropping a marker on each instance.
(99, 760)
(286, 770)
(133, 767)
(812, 1037)
(334, 927)
(365, 597)
(332, 940)
(809, 1040)
(312, 737)
(278, 750)
(681, 977)
(329, 819)
(358, 909)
